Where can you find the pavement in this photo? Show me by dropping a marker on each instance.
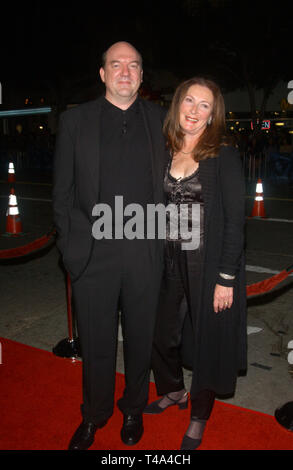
(33, 288)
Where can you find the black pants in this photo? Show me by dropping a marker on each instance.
(120, 271)
(178, 280)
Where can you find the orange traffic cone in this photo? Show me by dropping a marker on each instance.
(258, 207)
(11, 173)
(13, 222)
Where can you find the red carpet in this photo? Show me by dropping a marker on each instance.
(40, 398)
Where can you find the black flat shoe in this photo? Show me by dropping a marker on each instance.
(84, 436)
(189, 443)
(132, 429)
(155, 409)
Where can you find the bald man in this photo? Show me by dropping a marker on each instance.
(111, 147)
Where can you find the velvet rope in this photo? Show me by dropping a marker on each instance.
(29, 248)
(253, 289)
(268, 284)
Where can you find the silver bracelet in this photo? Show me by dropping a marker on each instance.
(227, 276)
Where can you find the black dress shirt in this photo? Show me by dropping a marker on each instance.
(125, 163)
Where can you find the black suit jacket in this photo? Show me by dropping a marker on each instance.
(76, 177)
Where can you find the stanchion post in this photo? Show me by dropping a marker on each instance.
(68, 347)
(69, 308)
(284, 414)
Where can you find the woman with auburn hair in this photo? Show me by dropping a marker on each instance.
(204, 175)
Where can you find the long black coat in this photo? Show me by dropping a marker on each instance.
(215, 346)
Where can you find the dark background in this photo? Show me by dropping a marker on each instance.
(50, 55)
(52, 50)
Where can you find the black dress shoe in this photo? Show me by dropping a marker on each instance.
(154, 408)
(84, 436)
(132, 429)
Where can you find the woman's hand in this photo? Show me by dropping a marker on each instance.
(223, 298)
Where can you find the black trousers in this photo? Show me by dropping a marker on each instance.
(120, 272)
(178, 280)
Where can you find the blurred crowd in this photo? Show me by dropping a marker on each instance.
(35, 151)
(27, 151)
(271, 155)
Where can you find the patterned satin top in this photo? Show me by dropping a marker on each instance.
(186, 196)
